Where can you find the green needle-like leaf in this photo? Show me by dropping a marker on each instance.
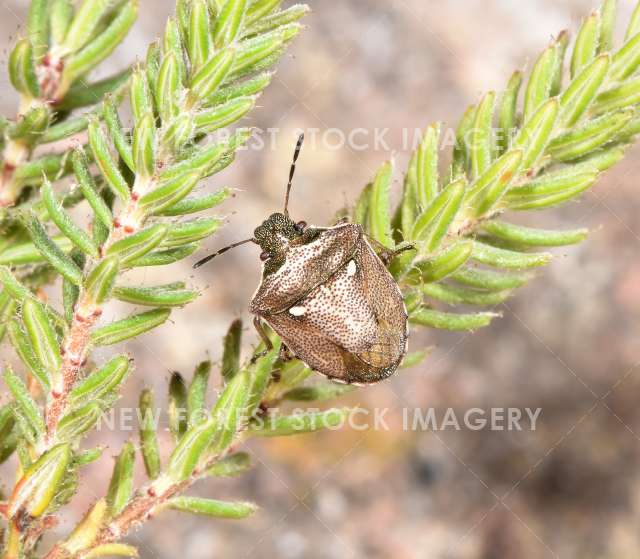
(64, 222)
(177, 406)
(137, 245)
(548, 190)
(144, 146)
(166, 257)
(22, 71)
(199, 44)
(88, 187)
(535, 134)
(449, 321)
(542, 79)
(480, 140)
(192, 445)
(212, 508)
(442, 264)
(167, 87)
(489, 279)
(197, 393)
(169, 295)
(22, 344)
(494, 182)
(121, 485)
(231, 351)
(129, 327)
(258, 9)
(42, 337)
(84, 23)
(87, 530)
(427, 178)
(102, 383)
(608, 14)
(105, 162)
(318, 392)
(195, 205)
(455, 295)
(101, 279)
(224, 115)
(283, 426)
(617, 97)
(432, 225)
(191, 231)
(634, 24)
(148, 435)
(112, 550)
(260, 376)
(229, 22)
(586, 138)
(169, 193)
(36, 490)
(30, 127)
(37, 27)
(379, 219)
(533, 237)
(52, 252)
(582, 90)
(231, 466)
(104, 44)
(61, 15)
(116, 131)
(211, 75)
(25, 407)
(586, 45)
(507, 112)
(230, 412)
(78, 422)
(501, 258)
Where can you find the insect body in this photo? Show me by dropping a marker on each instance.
(328, 295)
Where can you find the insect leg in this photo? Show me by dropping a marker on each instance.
(385, 254)
(257, 323)
(285, 353)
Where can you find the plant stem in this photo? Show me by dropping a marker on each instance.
(141, 508)
(74, 350)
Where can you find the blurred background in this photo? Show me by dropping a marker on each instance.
(568, 342)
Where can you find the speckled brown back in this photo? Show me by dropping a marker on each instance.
(306, 266)
(353, 326)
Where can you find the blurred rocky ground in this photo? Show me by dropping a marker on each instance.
(568, 343)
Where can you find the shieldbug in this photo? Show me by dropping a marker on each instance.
(327, 293)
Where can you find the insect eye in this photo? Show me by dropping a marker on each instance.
(264, 256)
(301, 226)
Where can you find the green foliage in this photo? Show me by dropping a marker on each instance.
(137, 178)
(511, 155)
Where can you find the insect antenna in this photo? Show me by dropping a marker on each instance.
(221, 251)
(292, 171)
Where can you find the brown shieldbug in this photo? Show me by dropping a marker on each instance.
(329, 296)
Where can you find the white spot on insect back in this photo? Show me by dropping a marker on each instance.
(351, 268)
(297, 311)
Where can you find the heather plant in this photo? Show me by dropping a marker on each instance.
(138, 173)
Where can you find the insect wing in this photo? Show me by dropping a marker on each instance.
(387, 305)
(307, 265)
(353, 326)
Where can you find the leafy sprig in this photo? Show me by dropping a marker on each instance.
(49, 68)
(140, 183)
(518, 151)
